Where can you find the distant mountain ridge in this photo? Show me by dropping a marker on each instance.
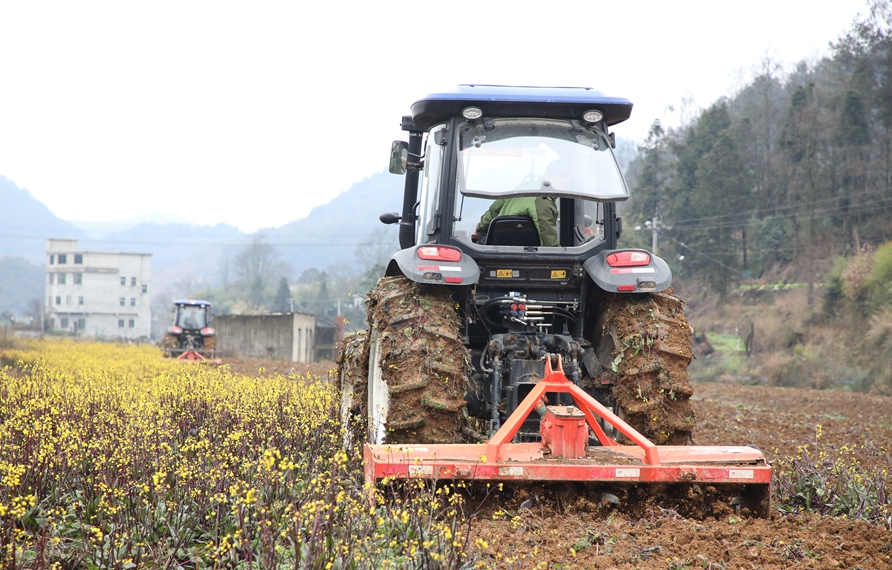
(26, 223)
(97, 230)
(183, 252)
(331, 233)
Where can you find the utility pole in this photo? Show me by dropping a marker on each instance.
(654, 226)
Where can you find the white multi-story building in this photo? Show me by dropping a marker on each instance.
(98, 293)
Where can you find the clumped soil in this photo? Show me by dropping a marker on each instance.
(651, 354)
(570, 529)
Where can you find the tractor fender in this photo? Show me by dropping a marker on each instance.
(436, 272)
(654, 276)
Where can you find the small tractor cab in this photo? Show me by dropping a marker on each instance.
(190, 336)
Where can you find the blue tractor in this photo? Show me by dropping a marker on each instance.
(509, 257)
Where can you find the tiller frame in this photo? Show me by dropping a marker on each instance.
(191, 355)
(564, 454)
(194, 355)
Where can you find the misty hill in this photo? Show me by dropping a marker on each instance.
(99, 230)
(332, 233)
(180, 252)
(26, 223)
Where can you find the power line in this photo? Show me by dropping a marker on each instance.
(210, 242)
(824, 213)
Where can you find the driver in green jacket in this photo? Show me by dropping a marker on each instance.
(542, 210)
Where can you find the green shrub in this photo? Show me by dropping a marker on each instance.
(880, 276)
(833, 286)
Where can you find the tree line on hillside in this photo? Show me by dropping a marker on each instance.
(793, 169)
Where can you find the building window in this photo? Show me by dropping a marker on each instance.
(132, 301)
(78, 278)
(51, 278)
(58, 299)
(61, 279)
(131, 323)
(145, 288)
(133, 281)
(52, 260)
(63, 323)
(81, 324)
(63, 259)
(78, 259)
(80, 300)
(123, 280)
(67, 299)
(123, 302)
(120, 323)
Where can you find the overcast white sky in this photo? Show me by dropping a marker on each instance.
(252, 113)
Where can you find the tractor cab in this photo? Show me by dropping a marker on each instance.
(192, 315)
(492, 143)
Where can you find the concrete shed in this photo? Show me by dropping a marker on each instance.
(286, 336)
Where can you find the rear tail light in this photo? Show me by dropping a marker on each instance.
(628, 259)
(174, 330)
(439, 253)
(207, 331)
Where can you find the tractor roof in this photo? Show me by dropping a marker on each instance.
(192, 303)
(506, 101)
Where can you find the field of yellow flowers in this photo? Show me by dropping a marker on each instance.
(113, 457)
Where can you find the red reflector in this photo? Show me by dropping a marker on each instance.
(628, 259)
(439, 253)
(453, 280)
(625, 287)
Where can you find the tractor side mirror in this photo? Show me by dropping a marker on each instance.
(389, 217)
(399, 157)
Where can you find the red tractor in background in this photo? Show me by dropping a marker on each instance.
(191, 336)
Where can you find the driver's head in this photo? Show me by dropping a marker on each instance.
(558, 173)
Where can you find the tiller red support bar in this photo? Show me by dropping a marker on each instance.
(564, 453)
(191, 355)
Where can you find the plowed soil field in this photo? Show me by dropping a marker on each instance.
(579, 533)
(777, 421)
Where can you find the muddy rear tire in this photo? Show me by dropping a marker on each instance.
(170, 341)
(648, 341)
(353, 369)
(418, 354)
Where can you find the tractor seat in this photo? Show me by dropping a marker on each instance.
(512, 230)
